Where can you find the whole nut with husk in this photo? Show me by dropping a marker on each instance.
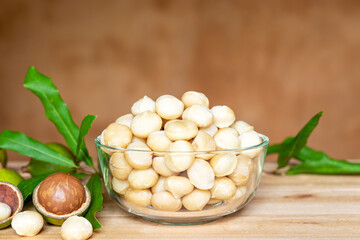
(60, 196)
(10, 196)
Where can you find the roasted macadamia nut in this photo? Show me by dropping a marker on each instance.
(191, 98)
(223, 164)
(223, 188)
(178, 186)
(199, 114)
(139, 197)
(142, 105)
(227, 138)
(223, 116)
(120, 186)
(165, 201)
(211, 130)
(243, 170)
(241, 127)
(159, 186)
(204, 142)
(181, 130)
(119, 167)
(76, 228)
(169, 107)
(140, 158)
(248, 139)
(160, 167)
(201, 175)
(145, 123)
(27, 223)
(196, 200)
(125, 120)
(142, 179)
(182, 156)
(158, 141)
(5, 211)
(117, 135)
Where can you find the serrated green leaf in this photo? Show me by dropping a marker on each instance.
(298, 142)
(56, 110)
(94, 185)
(84, 129)
(28, 186)
(20, 143)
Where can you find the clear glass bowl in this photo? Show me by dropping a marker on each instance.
(245, 188)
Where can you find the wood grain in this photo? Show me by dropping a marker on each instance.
(276, 62)
(291, 207)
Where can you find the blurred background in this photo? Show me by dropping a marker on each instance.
(276, 63)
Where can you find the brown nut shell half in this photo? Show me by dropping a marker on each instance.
(12, 196)
(60, 196)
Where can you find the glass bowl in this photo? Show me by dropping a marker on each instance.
(246, 178)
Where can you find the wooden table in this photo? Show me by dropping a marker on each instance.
(291, 207)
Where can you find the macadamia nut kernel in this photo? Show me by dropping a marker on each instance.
(159, 186)
(117, 135)
(241, 127)
(5, 211)
(119, 167)
(249, 139)
(223, 164)
(223, 188)
(204, 142)
(243, 170)
(169, 107)
(76, 228)
(211, 130)
(201, 175)
(145, 123)
(181, 130)
(196, 200)
(120, 186)
(178, 186)
(158, 141)
(142, 179)
(139, 197)
(160, 167)
(181, 156)
(125, 120)
(223, 116)
(165, 201)
(199, 114)
(191, 98)
(142, 105)
(227, 138)
(141, 159)
(27, 223)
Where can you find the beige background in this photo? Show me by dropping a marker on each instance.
(276, 63)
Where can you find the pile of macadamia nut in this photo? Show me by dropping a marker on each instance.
(173, 159)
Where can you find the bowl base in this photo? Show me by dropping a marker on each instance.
(180, 223)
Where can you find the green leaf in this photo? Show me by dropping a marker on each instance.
(84, 129)
(289, 150)
(56, 110)
(20, 143)
(28, 186)
(317, 162)
(94, 185)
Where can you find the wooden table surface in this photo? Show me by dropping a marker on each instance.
(291, 207)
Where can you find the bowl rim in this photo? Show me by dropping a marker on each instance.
(265, 142)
